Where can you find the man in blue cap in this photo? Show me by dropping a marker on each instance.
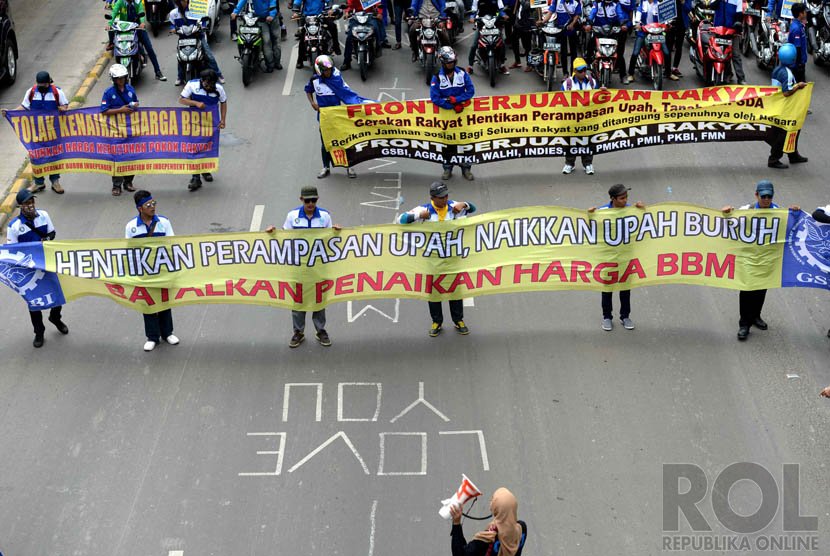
(751, 302)
(783, 76)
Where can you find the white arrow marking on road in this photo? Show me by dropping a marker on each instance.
(256, 219)
(292, 68)
(351, 318)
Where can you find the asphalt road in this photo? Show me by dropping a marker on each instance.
(232, 443)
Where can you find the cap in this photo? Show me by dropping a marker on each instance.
(618, 189)
(24, 195)
(580, 64)
(438, 189)
(308, 191)
(43, 77)
(764, 187)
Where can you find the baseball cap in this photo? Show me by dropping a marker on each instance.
(764, 187)
(580, 64)
(308, 192)
(438, 189)
(618, 189)
(43, 77)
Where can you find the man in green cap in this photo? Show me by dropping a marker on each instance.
(306, 216)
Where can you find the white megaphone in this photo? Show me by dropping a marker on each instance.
(466, 492)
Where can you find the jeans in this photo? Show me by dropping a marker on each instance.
(750, 304)
(144, 39)
(373, 21)
(121, 181)
(737, 58)
(462, 166)
(570, 49)
(519, 36)
(37, 319)
(398, 22)
(608, 304)
(41, 180)
(325, 153)
(317, 317)
(211, 60)
(638, 45)
(677, 38)
(456, 311)
(471, 57)
(158, 325)
(271, 41)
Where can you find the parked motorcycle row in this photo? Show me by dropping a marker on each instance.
(710, 46)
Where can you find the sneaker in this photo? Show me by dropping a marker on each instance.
(221, 79)
(435, 329)
(323, 338)
(345, 66)
(628, 79)
(324, 173)
(462, 328)
(38, 341)
(627, 323)
(743, 333)
(172, 340)
(160, 77)
(38, 187)
(589, 169)
(468, 174)
(149, 345)
(673, 77)
(208, 176)
(777, 164)
(676, 72)
(56, 187)
(446, 175)
(567, 169)
(179, 82)
(503, 70)
(234, 37)
(62, 328)
(351, 173)
(296, 339)
(607, 325)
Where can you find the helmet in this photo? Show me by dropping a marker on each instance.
(322, 62)
(786, 54)
(117, 70)
(23, 196)
(446, 54)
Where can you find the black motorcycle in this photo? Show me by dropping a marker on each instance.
(818, 30)
(250, 45)
(156, 14)
(490, 51)
(364, 42)
(190, 53)
(316, 35)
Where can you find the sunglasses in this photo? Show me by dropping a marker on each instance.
(766, 196)
(310, 200)
(151, 204)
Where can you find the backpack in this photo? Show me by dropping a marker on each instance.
(57, 104)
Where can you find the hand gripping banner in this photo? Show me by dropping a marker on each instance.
(148, 141)
(559, 123)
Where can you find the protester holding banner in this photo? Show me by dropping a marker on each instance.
(619, 199)
(439, 209)
(305, 217)
(133, 11)
(34, 225)
(504, 536)
(752, 302)
(119, 99)
(783, 76)
(567, 13)
(797, 37)
(203, 93)
(157, 326)
(450, 89)
(581, 80)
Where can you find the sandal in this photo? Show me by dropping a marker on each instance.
(116, 191)
(129, 187)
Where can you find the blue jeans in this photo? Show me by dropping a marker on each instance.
(41, 180)
(211, 60)
(347, 54)
(638, 45)
(398, 21)
(144, 39)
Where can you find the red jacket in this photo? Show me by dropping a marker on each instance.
(356, 6)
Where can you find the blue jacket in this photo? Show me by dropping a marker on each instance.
(774, 8)
(728, 12)
(644, 14)
(332, 91)
(607, 15)
(311, 7)
(783, 77)
(262, 8)
(113, 98)
(443, 86)
(798, 38)
(440, 5)
(564, 10)
(629, 7)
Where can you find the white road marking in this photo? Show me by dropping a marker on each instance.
(372, 527)
(256, 219)
(485, 461)
(292, 68)
(469, 302)
(279, 453)
(318, 414)
(416, 402)
(340, 386)
(176, 553)
(322, 446)
(423, 470)
(350, 317)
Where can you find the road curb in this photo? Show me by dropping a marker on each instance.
(7, 206)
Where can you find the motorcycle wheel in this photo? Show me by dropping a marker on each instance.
(155, 29)
(744, 44)
(605, 77)
(363, 64)
(247, 68)
(549, 77)
(493, 71)
(656, 77)
(753, 42)
(429, 65)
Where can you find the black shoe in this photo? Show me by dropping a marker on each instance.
(296, 339)
(283, 34)
(777, 164)
(741, 81)
(345, 66)
(760, 324)
(379, 52)
(338, 52)
(323, 338)
(194, 184)
(743, 332)
(278, 66)
(62, 328)
(414, 56)
(299, 65)
(38, 341)
(386, 44)
(208, 176)
(796, 158)
(269, 69)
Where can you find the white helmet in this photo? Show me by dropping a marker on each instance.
(323, 62)
(446, 54)
(117, 70)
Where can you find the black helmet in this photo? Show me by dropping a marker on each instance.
(23, 196)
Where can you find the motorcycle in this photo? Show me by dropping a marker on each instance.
(490, 51)
(544, 54)
(249, 43)
(771, 36)
(455, 19)
(189, 50)
(818, 30)
(157, 11)
(364, 42)
(428, 46)
(651, 58)
(605, 53)
(316, 34)
(127, 50)
(711, 55)
(752, 16)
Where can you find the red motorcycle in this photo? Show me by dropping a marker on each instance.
(711, 54)
(651, 59)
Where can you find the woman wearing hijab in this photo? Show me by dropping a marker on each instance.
(505, 536)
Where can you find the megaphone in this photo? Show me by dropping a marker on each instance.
(466, 492)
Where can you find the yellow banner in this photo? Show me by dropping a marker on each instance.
(559, 123)
(512, 250)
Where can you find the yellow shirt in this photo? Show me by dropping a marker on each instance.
(442, 212)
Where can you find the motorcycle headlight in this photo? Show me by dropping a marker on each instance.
(362, 18)
(607, 50)
(429, 33)
(312, 29)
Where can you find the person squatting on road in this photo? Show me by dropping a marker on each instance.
(450, 88)
(783, 76)
(157, 326)
(505, 536)
(29, 226)
(619, 199)
(203, 93)
(752, 302)
(304, 217)
(439, 209)
(327, 88)
(581, 80)
(119, 99)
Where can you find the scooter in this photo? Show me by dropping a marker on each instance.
(771, 36)
(544, 54)
(127, 50)
(752, 17)
(364, 42)
(490, 51)
(316, 36)
(818, 30)
(157, 11)
(249, 43)
(427, 46)
(455, 20)
(711, 54)
(605, 57)
(189, 50)
(651, 58)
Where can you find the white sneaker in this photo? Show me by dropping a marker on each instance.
(567, 169)
(149, 346)
(172, 340)
(628, 324)
(607, 325)
(589, 169)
